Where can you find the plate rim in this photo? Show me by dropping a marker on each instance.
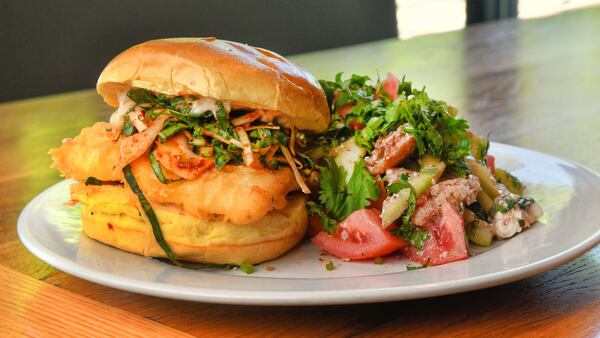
(305, 298)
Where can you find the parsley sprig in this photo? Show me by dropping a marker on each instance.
(430, 121)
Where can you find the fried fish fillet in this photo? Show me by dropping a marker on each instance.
(238, 194)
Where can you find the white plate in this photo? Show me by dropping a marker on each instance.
(569, 194)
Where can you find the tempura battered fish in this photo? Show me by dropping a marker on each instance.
(255, 192)
(94, 153)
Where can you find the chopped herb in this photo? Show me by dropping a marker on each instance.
(222, 119)
(247, 268)
(208, 123)
(171, 129)
(92, 181)
(525, 202)
(378, 260)
(139, 95)
(329, 225)
(128, 129)
(223, 156)
(417, 267)
(157, 169)
(504, 204)
(430, 121)
(329, 266)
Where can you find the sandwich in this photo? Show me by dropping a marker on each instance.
(203, 159)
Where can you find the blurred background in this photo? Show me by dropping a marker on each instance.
(50, 47)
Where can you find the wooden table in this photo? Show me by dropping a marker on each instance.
(531, 83)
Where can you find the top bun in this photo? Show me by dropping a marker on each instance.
(246, 76)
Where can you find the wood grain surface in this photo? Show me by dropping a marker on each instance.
(30, 307)
(529, 83)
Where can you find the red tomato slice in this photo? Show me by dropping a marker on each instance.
(355, 125)
(390, 85)
(490, 162)
(344, 110)
(446, 241)
(360, 236)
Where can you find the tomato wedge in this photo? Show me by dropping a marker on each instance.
(344, 110)
(390, 85)
(490, 162)
(360, 236)
(446, 241)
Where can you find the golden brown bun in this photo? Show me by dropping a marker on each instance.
(246, 76)
(109, 217)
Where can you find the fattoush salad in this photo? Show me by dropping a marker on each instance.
(398, 171)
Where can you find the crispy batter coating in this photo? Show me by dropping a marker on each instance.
(94, 152)
(235, 193)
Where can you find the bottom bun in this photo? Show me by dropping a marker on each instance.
(110, 216)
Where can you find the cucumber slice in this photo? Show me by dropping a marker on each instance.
(347, 154)
(432, 165)
(394, 206)
(421, 182)
(488, 183)
(479, 145)
(480, 233)
(511, 182)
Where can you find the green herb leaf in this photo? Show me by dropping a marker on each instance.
(329, 225)
(247, 268)
(362, 187)
(158, 235)
(222, 119)
(333, 189)
(504, 204)
(157, 169)
(417, 267)
(139, 95)
(128, 128)
(329, 266)
(339, 199)
(92, 181)
(171, 129)
(525, 202)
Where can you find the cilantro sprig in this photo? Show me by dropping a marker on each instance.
(339, 199)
